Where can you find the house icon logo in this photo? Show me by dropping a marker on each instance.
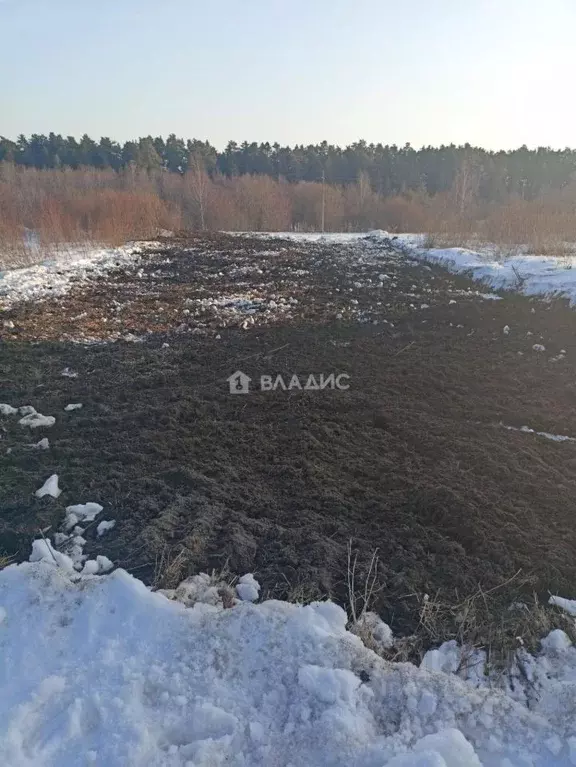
(239, 383)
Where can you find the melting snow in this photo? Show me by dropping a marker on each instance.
(248, 588)
(50, 487)
(532, 275)
(36, 420)
(104, 526)
(97, 669)
(81, 512)
(56, 276)
(566, 604)
(547, 435)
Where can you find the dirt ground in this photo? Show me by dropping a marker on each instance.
(412, 460)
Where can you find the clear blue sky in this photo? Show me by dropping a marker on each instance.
(497, 73)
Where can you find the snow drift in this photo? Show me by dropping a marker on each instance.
(100, 670)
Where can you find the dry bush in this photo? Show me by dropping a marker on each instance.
(224, 213)
(73, 207)
(544, 226)
(87, 204)
(264, 203)
(306, 197)
(403, 214)
(541, 226)
(114, 217)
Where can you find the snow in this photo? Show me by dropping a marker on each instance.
(531, 275)
(97, 669)
(556, 641)
(104, 526)
(443, 749)
(50, 487)
(81, 512)
(68, 267)
(379, 632)
(43, 551)
(90, 567)
(99, 565)
(43, 444)
(545, 434)
(198, 588)
(8, 409)
(73, 406)
(248, 588)
(104, 564)
(569, 605)
(37, 420)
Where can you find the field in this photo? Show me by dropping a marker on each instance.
(410, 467)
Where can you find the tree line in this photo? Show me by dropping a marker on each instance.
(388, 170)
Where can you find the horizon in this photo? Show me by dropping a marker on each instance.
(495, 75)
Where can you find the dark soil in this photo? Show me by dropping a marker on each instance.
(410, 460)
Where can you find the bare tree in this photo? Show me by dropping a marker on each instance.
(466, 184)
(199, 184)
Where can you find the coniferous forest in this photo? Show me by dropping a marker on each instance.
(389, 169)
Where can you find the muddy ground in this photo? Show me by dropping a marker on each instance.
(411, 460)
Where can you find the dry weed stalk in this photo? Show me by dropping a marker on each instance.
(359, 601)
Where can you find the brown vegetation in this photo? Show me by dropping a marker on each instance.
(109, 207)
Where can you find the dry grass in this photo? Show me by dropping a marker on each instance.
(170, 568)
(6, 560)
(485, 620)
(300, 592)
(173, 567)
(361, 595)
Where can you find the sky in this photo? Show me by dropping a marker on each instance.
(494, 73)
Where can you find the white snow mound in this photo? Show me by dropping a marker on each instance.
(100, 670)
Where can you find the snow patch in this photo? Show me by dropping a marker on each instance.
(69, 266)
(104, 526)
(50, 487)
(531, 275)
(37, 420)
(248, 588)
(81, 512)
(569, 605)
(545, 434)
